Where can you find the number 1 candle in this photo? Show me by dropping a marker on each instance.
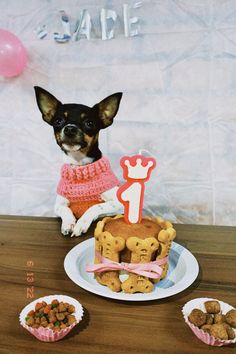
(136, 170)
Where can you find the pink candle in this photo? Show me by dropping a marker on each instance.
(136, 171)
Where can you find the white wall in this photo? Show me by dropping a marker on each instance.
(179, 82)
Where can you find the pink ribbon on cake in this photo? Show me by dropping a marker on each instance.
(150, 269)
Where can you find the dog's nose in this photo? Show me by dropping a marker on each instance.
(70, 130)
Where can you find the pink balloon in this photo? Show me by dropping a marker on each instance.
(13, 56)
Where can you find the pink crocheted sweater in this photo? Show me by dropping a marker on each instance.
(83, 185)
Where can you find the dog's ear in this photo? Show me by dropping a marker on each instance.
(108, 108)
(47, 103)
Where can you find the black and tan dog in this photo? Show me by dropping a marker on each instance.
(76, 128)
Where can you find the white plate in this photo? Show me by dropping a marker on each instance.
(183, 270)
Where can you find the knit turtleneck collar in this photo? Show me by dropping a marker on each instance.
(85, 172)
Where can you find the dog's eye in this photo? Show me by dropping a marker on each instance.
(58, 122)
(89, 124)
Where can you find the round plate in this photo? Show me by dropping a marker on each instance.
(183, 270)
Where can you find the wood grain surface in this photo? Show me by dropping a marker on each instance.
(35, 246)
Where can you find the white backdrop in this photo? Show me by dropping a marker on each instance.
(179, 82)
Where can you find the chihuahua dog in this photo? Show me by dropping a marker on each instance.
(87, 189)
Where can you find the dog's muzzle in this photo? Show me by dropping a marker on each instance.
(70, 130)
(72, 138)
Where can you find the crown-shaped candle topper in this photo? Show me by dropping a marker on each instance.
(136, 170)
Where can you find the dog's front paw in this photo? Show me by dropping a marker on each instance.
(67, 229)
(81, 227)
(68, 226)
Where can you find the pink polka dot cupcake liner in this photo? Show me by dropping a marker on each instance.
(46, 334)
(202, 335)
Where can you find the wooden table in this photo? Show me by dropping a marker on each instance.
(35, 246)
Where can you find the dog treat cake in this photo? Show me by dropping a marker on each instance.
(141, 249)
(132, 243)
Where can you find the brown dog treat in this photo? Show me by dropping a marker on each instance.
(209, 319)
(137, 284)
(165, 237)
(219, 318)
(197, 317)
(30, 321)
(110, 247)
(110, 279)
(212, 306)
(230, 318)
(206, 328)
(142, 250)
(218, 331)
(229, 330)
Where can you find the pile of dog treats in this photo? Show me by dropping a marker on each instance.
(55, 316)
(219, 325)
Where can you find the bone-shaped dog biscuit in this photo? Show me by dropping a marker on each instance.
(109, 247)
(141, 252)
(110, 279)
(137, 283)
(165, 237)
